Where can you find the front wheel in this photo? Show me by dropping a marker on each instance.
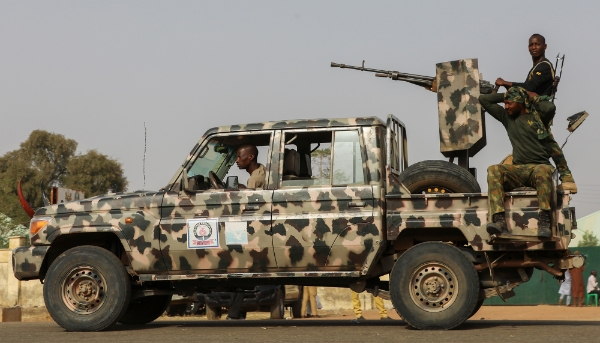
(434, 286)
(146, 309)
(87, 289)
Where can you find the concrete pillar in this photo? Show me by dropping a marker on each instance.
(16, 241)
(13, 286)
(11, 314)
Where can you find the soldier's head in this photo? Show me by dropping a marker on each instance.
(514, 100)
(537, 45)
(246, 154)
(593, 272)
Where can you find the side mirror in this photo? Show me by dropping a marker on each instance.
(232, 182)
(576, 120)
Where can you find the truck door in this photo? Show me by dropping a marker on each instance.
(323, 207)
(207, 229)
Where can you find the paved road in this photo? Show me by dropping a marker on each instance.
(307, 331)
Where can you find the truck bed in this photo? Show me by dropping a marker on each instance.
(468, 213)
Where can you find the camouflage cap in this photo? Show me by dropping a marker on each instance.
(516, 94)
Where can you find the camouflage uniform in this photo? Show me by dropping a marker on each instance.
(539, 80)
(506, 176)
(529, 137)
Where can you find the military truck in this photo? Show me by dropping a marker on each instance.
(340, 207)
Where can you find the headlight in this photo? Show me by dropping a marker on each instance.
(37, 223)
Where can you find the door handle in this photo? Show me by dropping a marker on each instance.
(251, 208)
(356, 204)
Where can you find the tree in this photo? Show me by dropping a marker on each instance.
(588, 239)
(95, 173)
(44, 161)
(40, 162)
(8, 228)
(321, 160)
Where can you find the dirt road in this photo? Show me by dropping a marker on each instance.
(499, 324)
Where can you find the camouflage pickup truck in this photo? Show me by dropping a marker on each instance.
(340, 207)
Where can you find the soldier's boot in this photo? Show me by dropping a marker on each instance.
(498, 225)
(567, 186)
(544, 224)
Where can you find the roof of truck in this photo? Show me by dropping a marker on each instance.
(299, 124)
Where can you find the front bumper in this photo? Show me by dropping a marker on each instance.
(27, 261)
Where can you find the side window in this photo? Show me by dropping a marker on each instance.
(219, 156)
(347, 158)
(308, 158)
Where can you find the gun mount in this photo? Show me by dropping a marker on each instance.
(458, 84)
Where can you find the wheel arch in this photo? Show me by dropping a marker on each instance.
(112, 241)
(409, 237)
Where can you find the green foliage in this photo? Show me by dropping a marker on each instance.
(95, 173)
(8, 228)
(47, 160)
(588, 239)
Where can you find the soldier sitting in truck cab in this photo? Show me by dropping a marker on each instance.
(247, 159)
(526, 125)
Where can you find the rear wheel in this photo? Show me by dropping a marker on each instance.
(434, 286)
(146, 309)
(277, 308)
(87, 289)
(438, 177)
(477, 307)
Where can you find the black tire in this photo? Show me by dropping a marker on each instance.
(278, 308)
(446, 177)
(87, 289)
(477, 307)
(146, 309)
(213, 313)
(434, 286)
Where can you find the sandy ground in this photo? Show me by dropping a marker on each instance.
(541, 312)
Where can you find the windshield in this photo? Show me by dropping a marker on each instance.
(211, 158)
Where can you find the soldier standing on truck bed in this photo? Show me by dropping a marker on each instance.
(540, 80)
(525, 119)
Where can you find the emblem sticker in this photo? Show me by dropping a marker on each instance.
(236, 233)
(203, 233)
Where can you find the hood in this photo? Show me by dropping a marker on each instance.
(105, 202)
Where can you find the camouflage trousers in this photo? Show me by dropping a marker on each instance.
(502, 177)
(559, 159)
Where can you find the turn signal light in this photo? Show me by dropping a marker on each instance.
(37, 224)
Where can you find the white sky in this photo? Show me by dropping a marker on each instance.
(95, 71)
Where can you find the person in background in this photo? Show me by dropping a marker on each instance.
(577, 284)
(592, 284)
(309, 293)
(565, 289)
(358, 308)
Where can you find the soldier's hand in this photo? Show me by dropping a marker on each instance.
(500, 82)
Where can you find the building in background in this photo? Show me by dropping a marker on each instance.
(59, 195)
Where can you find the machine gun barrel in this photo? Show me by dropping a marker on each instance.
(419, 80)
(485, 87)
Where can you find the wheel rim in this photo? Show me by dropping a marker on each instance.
(84, 290)
(433, 287)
